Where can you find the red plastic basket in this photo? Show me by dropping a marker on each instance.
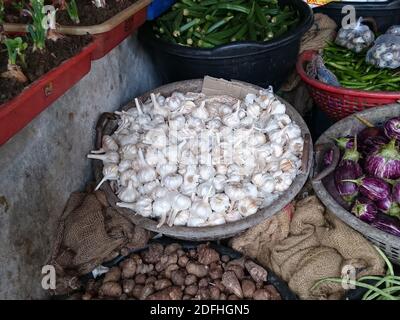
(339, 102)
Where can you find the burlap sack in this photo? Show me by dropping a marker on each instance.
(317, 245)
(89, 234)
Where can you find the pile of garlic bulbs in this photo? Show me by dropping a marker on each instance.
(195, 160)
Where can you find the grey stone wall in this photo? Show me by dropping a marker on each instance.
(46, 161)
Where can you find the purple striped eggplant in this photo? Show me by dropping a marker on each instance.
(348, 167)
(364, 209)
(387, 224)
(373, 188)
(385, 162)
(328, 158)
(372, 144)
(345, 143)
(396, 192)
(369, 132)
(392, 128)
(389, 206)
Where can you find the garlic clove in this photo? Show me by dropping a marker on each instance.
(220, 202)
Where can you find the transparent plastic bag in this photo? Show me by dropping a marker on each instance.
(317, 70)
(394, 30)
(386, 52)
(355, 37)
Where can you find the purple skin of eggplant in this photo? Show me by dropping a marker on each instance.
(392, 128)
(348, 167)
(384, 163)
(388, 206)
(387, 224)
(396, 192)
(345, 143)
(372, 144)
(364, 209)
(369, 132)
(373, 188)
(328, 158)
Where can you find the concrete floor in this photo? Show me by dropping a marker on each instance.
(46, 161)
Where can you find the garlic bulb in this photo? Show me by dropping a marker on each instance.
(128, 175)
(219, 182)
(247, 206)
(157, 109)
(172, 181)
(159, 192)
(201, 112)
(161, 207)
(124, 165)
(128, 193)
(206, 172)
(235, 191)
(215, 220)
(233, 216)
(166, 169)
(220, 202)
(206, 189)
(232, 120)
(155, 157)
(110, 172)
(128, 152)
(108, 144)
(124, 139)
(148, 187)
(182, 218)
(108, 157)
(201, 209)
(156, 137)
(179, 203)
(146, 173)
(142, 207)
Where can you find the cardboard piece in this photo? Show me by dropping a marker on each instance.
(213, 86)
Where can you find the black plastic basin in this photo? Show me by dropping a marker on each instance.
(260, 63)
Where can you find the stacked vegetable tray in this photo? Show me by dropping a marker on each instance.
(357, 174)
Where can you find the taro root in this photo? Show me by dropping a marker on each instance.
(219, 285)
(170, 293)
(237, 269)
(186, 297)
(153, 254)
(170, 268)
(204, 282)
(197, 269)
(231, 283)
(178, 277)
(147, 290)
(258, 273)
(140, 279)
(248, 288)
(225, 258)
(273, 292)
(183, 261)
(222, 296)
(261, 294)
(214, 293)
(150, 280)
(180, 253)
(204, 293)
(162, 284)
(127, 286)
(113, 275)
(137, 290)
(110, 289)
(192, 253)
(233, 297)
(207, 255)
(216, 272)
(191, 290)
(190, 279)
(128, 267)
(171, 248)
(86, 296)
(123, 296)
(144, 268)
